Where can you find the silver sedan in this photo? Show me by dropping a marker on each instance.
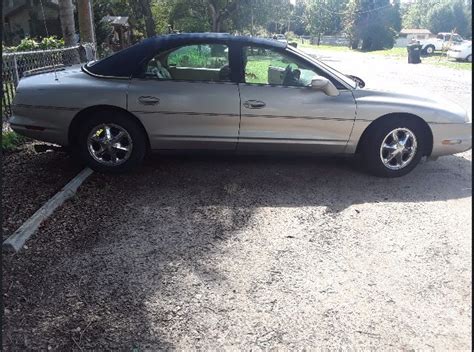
(217, 91)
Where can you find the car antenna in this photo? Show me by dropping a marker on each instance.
(47, 34)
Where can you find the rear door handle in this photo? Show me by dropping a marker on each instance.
(148, 100)
(254, 104)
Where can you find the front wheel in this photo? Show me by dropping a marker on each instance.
(393, 148)
(469, 58)
(111, 142)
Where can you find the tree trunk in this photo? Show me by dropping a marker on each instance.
(86, 29)
(252, 31)
(66, 16)
(148, 16)
(354, 43)
(214, 17)
(218, 24)
(218, 16)
(319, 38)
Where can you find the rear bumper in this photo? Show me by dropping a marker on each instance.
(451, 138)
(456, 55)
(44, 124)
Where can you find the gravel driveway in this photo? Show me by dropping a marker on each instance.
(212, 251)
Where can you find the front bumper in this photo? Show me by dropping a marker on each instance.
(451, 138)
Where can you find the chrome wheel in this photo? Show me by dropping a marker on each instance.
(398, 148)
(109, 144)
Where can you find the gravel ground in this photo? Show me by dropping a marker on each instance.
(212, 252)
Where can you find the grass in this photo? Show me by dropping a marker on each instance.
(257, 68)
(437, 59)
(8, 95)
(442, 60)
(325, 47)
(11, 140)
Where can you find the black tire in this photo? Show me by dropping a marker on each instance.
(370, 148)
(430, 49)
(469, 58)
(125, 122)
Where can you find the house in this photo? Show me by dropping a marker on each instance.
(24, 18)
(415, 33)
(408, 34)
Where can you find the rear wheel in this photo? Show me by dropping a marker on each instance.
(111, 142)
(429, 49)
(393, 147)
(469, 58)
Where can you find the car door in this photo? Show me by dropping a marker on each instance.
(283, 113)
(185, 99)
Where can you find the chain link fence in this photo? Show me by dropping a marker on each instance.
(21, 64)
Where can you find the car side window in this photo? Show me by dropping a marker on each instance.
(203, 62)
(265, 66)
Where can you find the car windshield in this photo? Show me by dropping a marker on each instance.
(334, 72)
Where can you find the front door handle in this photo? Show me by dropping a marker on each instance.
(148, 100)
(254, 104)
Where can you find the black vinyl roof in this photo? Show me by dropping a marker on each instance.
(125, 62)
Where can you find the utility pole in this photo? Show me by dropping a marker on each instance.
(86, 23)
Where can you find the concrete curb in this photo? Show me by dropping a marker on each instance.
(16, 241)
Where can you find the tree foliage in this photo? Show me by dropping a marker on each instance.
(440, 16)
(324, 16)
(374, 24)
(370, 24)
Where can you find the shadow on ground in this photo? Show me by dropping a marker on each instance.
(109, 269)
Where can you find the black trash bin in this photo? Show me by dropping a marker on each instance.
(414, 53)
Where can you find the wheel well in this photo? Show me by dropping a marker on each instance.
(428, 46)
(85, 113)
(426, 130)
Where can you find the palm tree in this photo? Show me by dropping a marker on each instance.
(66, 16)
(84, 14)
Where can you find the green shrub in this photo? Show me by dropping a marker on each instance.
(51, 43)
(29, 44)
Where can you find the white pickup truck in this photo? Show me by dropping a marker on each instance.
(441, 42)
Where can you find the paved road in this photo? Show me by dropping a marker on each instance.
(255, 253)
(389, 73)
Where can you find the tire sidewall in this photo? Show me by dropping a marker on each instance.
(429, 49)
(124, 121)
(373, 142)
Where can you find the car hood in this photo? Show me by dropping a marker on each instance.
(430, 107)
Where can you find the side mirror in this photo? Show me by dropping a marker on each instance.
(325, 85)
(360, 82)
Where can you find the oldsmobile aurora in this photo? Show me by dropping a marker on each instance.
(217, 91)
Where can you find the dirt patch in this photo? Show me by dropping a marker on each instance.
(254, 253)
(30, 178)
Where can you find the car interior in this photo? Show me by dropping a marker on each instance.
(285, 73)
(160, 67)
